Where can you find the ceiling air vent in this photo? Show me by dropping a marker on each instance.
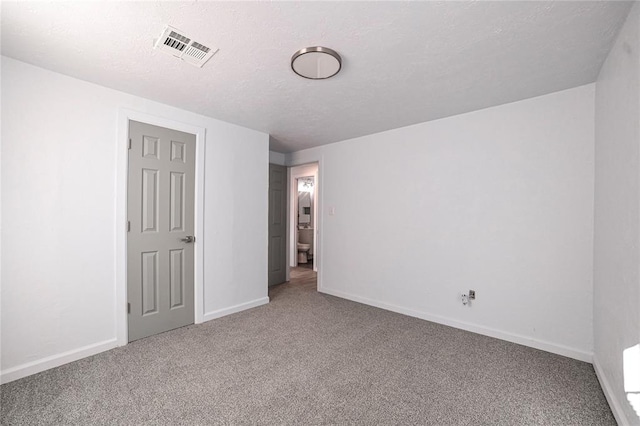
(173, 42)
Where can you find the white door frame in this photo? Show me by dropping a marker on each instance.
(124, 115)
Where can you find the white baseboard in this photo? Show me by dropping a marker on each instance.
(614, 403)
(486, 331)
(233, 309)
(33, 367)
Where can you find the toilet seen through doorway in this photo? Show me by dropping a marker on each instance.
(305, 241)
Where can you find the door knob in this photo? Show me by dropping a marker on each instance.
(188, 239)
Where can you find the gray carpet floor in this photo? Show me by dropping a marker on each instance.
(309, 358)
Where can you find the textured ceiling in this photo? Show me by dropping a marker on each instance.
(403, 63)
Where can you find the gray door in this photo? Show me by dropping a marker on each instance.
(160, 209)
(277, 224)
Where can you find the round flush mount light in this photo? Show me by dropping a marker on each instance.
(316, 63)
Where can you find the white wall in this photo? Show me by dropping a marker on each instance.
(59, 138)
(617, 214)
(498, 200)
(276, 158)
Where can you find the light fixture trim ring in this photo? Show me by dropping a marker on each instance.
(317, 49)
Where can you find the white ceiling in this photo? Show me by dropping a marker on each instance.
(403, 63)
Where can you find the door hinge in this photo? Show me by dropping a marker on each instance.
(128, 226)
(128, 308)
(129, 143)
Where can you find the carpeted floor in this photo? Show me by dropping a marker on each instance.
(309, 358)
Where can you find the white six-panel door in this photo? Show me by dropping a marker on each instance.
(160, 241)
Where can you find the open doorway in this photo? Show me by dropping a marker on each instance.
(302, 225)
(303, 217)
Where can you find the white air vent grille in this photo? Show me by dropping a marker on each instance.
(173, 42)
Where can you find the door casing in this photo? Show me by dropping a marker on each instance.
(124, 115)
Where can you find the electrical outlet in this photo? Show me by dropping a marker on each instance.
(472, 295)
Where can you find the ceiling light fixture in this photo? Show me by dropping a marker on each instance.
(316, 63)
